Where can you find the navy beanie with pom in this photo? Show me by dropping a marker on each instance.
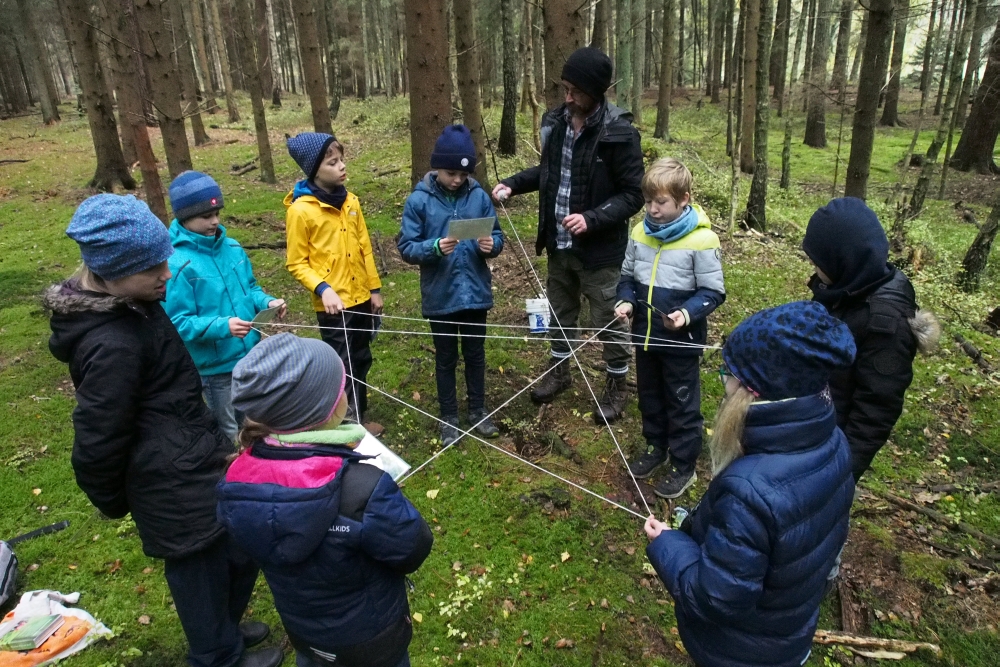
(788, 351)
(308, 150)
(454, 150)
(194, 193)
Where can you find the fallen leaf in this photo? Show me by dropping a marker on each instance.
(604, 603)
(630, 551)
(117, 565)
(418, 617)
(416, 396)
(708, 432)
(457, 565)
(926, 498)
(565, 643)
(565, 556)
(147, 570)
(72, 567)
(433, 493)
(37, 492)
(33, 567)
(143, 620)
(629, 599)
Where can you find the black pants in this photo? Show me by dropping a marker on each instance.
(211, 590)
(446, 337)
(354, 349)
(669, 388)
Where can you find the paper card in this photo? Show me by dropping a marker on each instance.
(385, 458)
(267, 315)
(474, 228)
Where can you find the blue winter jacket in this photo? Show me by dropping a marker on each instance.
(748, 577)
(212, 282)
(461, 280)
(336, 582)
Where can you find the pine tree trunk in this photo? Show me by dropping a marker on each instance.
(563, 34)
(197, 29)
(972, 63)
(264, 63)
(312, 64)
(729, 46)
(946, 65)
(757, 200)
(125, 45)
(974, 263)
(430, 80)
(186, 73)
(880, 21)
(926, 72)
(111, 168)
(779, 49)
(220, 46)
(468, 81)
(599, 38)
(41, 70)
(816, 117)
(750, 91)
(638, 56)
(862, 40)
(975, 146)
(507, 143)
(247, 39)
(786, 146)
(662, 130)
(718, 47)
(890, 113)
(623, 53)
(839, 79)
(679, 69)
(333, 59)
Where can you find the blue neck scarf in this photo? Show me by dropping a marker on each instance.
(672, 231)
(335, 199)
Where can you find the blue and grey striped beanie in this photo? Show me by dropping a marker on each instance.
(194, 193)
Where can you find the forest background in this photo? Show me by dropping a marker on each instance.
(122, 95)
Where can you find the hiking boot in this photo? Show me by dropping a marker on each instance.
(450, 432)
(254, 632)
(483, 423)
(266, 657)
(612, 404)
(675, 483)
(643, 467)
(553, 384)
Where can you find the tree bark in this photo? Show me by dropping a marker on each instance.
(599, 38)
(662, 130)
(265, 63)
(196, 27)
(563, 34)
(779, 49)
(312, 64)
(862, 40)
(679, 69)
(111, 168)
(839, 79)
(975, 146)
(972, 64)
(186, 71)
(974, 263)
(430, 80)
(946, 65)
(507, 143)
(757, 200)
(39, 65)
(623, 54)
(638, 56)
(220, 46)
(468, 81)
(890, 113)
(816, 116)
(333, 60)
(719, 46)
(786, 146)
(247, 40)
(872, 75)
(750, 91)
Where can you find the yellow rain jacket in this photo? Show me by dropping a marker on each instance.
(331, 246)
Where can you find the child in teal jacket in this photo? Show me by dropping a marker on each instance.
(212, 297)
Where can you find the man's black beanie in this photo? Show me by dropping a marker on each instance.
(590, 70)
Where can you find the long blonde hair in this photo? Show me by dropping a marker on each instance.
(726, 444)
(88, 280)
(250, 433)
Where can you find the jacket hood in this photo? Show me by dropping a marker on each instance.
(181, 237)
(926, 329)
(76, 312)
(782, 427)
(278, 525)
(430, 185)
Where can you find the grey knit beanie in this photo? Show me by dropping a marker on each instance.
(288, 383)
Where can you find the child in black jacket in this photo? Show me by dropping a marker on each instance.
(857, 284)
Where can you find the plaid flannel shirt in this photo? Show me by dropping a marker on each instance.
(564, 240)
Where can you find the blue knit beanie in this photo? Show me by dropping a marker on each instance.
(308, 149)
(454, 150)
(788, 351)
(288, 383)
(119, 236)
(194, 193)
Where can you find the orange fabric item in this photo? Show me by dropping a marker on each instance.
(72, 631)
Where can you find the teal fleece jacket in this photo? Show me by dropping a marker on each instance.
(212, 281)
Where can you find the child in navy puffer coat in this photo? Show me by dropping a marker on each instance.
(749, 566)
(334, 536)
(455, 281)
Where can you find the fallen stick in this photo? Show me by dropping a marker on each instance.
(973, 353)
(265, 246)
(245, 170)
(878, 643)
(13, 161)
(960, 526)
(388, 171)
(980, 488)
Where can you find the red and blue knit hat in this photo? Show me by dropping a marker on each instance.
(788, 351)
(193, 193)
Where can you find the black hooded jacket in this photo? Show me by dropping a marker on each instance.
(606, 184)
(878, 304)
(145, 442)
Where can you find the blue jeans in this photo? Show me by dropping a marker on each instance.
(302, 660)
(218, 390)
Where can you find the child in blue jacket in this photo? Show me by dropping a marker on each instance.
(749, 566)
(213, 295)
(455, 280)
(671, 281)
(335, 537)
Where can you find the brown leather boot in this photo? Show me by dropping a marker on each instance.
(553, 384)
(611, 405)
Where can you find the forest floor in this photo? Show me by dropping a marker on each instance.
(525, 570)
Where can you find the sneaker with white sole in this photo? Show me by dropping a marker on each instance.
(675, 483)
